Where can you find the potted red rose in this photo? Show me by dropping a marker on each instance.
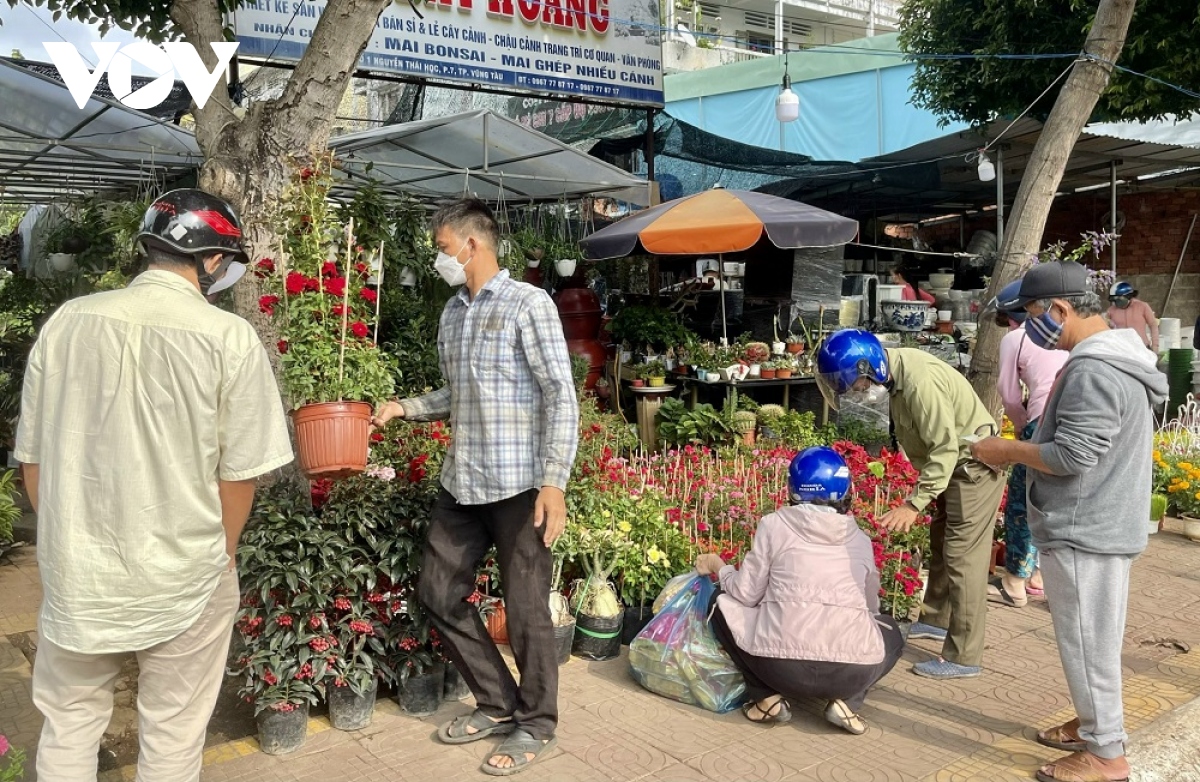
(327, 315)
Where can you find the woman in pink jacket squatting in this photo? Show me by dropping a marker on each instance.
(801, 617)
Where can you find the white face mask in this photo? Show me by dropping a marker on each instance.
(873, 396)
(453, 272)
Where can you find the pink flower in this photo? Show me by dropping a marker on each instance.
(4, 745)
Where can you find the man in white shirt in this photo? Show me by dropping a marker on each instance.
(146, 415)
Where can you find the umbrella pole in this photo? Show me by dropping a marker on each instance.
(721, 277)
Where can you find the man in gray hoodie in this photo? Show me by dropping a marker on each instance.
(1089, 485)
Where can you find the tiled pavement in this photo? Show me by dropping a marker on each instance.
(920, 730)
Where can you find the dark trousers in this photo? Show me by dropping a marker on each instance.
(766, 676)
(459, 537)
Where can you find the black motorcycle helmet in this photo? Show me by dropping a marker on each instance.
(194, 224)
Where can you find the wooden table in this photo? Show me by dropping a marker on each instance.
(732, 386)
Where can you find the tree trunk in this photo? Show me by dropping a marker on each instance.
(1027, 220)
(249, 156)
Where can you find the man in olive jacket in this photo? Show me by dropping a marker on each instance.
(936, 414)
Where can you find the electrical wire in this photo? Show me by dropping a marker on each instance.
(56, 32)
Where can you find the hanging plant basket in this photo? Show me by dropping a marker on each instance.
(333, 438)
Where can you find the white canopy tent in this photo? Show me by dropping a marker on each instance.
(483, 153)
(51, 149)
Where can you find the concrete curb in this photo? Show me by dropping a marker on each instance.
(1168, 749)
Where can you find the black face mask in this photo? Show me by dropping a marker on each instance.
(206, 279)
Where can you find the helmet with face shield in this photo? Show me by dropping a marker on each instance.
(845, 357)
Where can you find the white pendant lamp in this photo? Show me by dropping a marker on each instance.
(787, 103)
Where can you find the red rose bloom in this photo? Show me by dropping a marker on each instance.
(282, 345)
(359, 329)
(361, 268)
(267, 304)
(336, 286)
(264, 267)
(295, 283)
(328, 269)
(338, 310)
(376, 437)
(368, 294)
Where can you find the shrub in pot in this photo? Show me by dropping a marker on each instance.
(326, 315)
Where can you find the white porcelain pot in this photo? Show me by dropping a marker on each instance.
(565, 267)
(713, 377)
(778, 348)
(1191, 529)
(670, 363)
(533, 264)
(62, 262)
(941, 280)
(505, 248)
(1153, 528)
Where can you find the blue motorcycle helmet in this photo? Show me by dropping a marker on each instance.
(1008, 302)
(1121, 293)
(819, 475)
(844, 357)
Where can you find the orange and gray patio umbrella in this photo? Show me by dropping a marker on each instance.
(720, 221)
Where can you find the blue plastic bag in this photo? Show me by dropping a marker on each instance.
(678, 656)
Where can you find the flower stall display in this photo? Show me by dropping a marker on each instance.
(327, 315)
(328, 609)
(878, 486)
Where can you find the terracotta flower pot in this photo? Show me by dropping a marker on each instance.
(795, 347)
(767, 374)
(497, 624)
(783, 374)
(333, 438)
(637, 382)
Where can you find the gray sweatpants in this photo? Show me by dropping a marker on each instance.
(1088, 595)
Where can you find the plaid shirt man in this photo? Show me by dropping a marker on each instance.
(509, 395)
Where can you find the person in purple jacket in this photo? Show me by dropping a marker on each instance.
(801, 617)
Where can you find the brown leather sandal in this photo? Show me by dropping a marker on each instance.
(1064, 737)
(1079, 767)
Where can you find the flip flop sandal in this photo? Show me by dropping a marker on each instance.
(775, 715)
(455, 731)
(998, 594)
(1075, 768)
(1059, 738)
(516, 747)
(1034, 591)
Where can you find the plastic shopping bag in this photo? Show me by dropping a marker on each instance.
(677, 654)
(670, 590)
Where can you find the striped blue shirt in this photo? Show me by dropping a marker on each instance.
(509, 393)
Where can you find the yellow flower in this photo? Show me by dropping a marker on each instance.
(654, 555)
(1158, 456)
(1198, 495)
(607, 514)
(625, 526)
(1185, 485)
(1185, 466)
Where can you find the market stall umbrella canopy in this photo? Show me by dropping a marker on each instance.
(720, 221)
(479, 152)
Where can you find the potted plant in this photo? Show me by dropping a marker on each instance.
(419, 674)
(744, 423)
(639, 375)
(327, 316)
(560, 614)
(755, 354)
(593, 601)
(283, 642)
(777, 346)
(784, 368)
(1158, 511)
(795, 344)
(352, 679)
(1183, 489)
(655, 374)
(767, 370)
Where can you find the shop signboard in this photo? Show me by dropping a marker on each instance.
(608, 50)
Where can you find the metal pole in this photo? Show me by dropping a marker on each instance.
(721, 277)
(649, 151)
(1112, 211)
(999, 198)
(778, 26)
(1174, 279)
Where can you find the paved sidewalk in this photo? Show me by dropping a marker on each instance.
(611, 730)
